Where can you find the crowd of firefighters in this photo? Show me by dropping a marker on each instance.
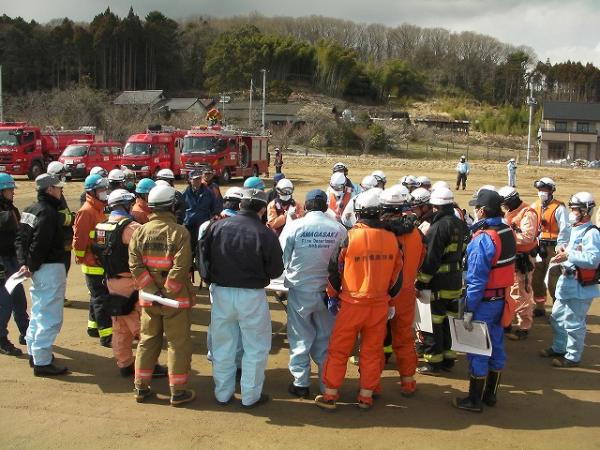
(354, 258)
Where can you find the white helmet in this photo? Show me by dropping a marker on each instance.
(100, 171)
(367, 202)
(55, 168)
(120, 197)
(116, 175)
(380, 176)
(409, 181)
(547, 183)
(440, 184)
(284, 186)
(337, 181)
(583, 200)
(506, 191)
(339, 167)
(161, 197)
(368, 182)
(441, 197)
(397, 195)
(233, 193)
(512, 160)
(424, 181)
(420, 196)
(165, 174)
(162, 183)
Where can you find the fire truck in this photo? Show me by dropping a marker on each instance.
(158, 148)
(80, 156)
(27, 150)
(231, 153)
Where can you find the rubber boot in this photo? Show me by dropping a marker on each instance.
(473, 402)
(491, 387)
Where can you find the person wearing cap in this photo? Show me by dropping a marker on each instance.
(554, 232)
(272, 194)
(523, 220)
(577, 286)
(241, 256)
(309, 243)
(140, 210)
(364, 275)
(490, 267)
(208, 180)
(278, 162)
(15, 303)
(39, 246)
(160, 258)
(512, 172)
(463, 168)
(440, 278)
(88, 216)
(168, 176)
(283, 207)
(201, 204)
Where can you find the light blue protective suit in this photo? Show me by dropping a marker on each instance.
(309, 243)
(572, 299)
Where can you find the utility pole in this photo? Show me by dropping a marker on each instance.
(1, 104)
(250, 106)
(223, 107)
(264, 94)
(531, 102)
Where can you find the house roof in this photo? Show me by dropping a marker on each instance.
(177, 104)
(571, 111)
(138, 97)
(273, 111)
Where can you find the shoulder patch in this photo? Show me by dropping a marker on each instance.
(29, 219)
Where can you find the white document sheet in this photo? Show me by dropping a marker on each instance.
(158, 299)
(277, 284)
(476, 341)
(13, 281)
(423, 320)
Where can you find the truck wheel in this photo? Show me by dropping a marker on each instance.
(35, 170)
(255, 172)
(226, 176)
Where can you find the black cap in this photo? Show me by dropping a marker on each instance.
(486, 197)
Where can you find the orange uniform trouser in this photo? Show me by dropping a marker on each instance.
(353, 319)
(125, 330)
(403, 340)
(521, 293)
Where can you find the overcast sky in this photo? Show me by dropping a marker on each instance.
(555, 29)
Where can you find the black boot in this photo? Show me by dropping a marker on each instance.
(49, 370)
(7, 348)
(491, 388)
(127, 371)
(431, 369)
(473, 401)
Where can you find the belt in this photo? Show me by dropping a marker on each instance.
(548, 242)
(493, 293)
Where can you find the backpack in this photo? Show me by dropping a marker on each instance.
(109, 249)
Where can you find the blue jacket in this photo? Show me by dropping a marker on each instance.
(584, 252)
(480, 254)
(201, 205)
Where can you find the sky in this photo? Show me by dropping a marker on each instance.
(556, 29)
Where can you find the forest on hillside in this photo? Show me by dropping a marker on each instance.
(209, 55)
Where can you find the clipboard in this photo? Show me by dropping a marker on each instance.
(476, 341)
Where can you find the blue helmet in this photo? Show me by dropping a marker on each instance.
(95, 181)
(254, 183)
(278, 177)
(6, 181)
(144, 186)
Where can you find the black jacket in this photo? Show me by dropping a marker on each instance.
(68, 218)
(40, 239)
(9, 224)
(241, 252)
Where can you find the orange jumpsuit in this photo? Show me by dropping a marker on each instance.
(364, 272)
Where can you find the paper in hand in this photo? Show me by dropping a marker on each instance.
(158, 299)
(13, 281)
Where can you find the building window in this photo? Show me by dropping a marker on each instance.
(560, 126)
(557, 150)
(583, 127)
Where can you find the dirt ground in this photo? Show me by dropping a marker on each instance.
(539, 406)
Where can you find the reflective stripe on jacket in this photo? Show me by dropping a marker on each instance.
(88, 216)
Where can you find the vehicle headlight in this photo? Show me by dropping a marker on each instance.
(81, 166)
(146, 168)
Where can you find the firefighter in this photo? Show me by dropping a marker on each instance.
(272, 194)
(208, 180)
(463, 168)
(58, 169)
(578, 283)
(254, 183)
(524, 222)
(14, 304)
(490, 273)
(129, 182)
(554, 231)
(424, 182)
(409, 182)
(381, 178)
(214, 116)
(439, 184)
(168, 176)
(283, 207)
(116, 180)
(306, 260)
(511, 167)
(40, 252)
(140, 210)
(364, 276)
(339, 194)
(440, 277)
(349, 216)
(241, 257)
(396, 217)
(159, 259)
(343, 169)
(421, 208)
(278, 160)
(96, 170)
(88, 216)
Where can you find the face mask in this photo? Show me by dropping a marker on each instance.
(573, 218)
(543, 196)
(285, 198)
(103, 196)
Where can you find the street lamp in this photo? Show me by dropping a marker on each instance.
(531, 102)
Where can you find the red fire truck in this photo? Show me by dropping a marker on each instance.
(231, 153)
(80, 156)
(158, 148)
(26, 150)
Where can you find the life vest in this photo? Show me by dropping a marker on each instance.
(338, 206)
(588, 277)
(503, 264)
(109, 248)
(548, 225)
(516, 220)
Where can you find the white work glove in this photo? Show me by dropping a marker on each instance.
(391, 312)
(291, 212)
(467, 321)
